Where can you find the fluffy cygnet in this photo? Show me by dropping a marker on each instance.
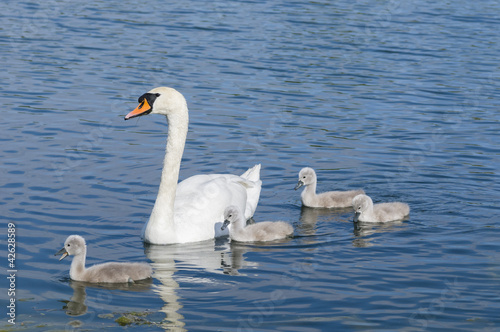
(112, 272)
(364, 210)
(261, 231)
(330, 199)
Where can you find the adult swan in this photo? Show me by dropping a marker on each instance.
(192, 210)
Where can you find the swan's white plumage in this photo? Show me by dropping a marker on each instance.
(330, 199)
(112, 272)
(193, 209)
(365, 211)
(258, 232)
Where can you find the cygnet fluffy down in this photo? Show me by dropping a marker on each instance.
(258, 232)
(330, 199)
(112, 272)
(364, 210)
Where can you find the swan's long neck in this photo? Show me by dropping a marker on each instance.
(161, 227)
(77, 268)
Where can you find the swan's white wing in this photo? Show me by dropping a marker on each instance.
(249, 182)
(200, 202)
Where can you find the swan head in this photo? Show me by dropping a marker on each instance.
(360, 204)
(231, 216)
(160, 100)
(74, 245)
(307, 176)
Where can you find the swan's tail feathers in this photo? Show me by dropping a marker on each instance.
(246, 184)
(252, 174)
(252, 183)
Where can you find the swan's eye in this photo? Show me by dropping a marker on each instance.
(69, 244)
(230, 216)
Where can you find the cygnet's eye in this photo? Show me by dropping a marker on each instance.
(69, 244)
(230, 216)
(304, 177)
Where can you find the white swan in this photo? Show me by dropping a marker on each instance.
(261, 231)
(190, 210)
(364, 210)
(330, 199)
(112, 272)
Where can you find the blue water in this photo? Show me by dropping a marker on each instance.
(400, 98)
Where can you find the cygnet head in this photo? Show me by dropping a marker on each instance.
(160, 100)
(231, 216)
(360, 204)
(307, 176)
(74, 245)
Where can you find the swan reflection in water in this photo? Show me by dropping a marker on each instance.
(214, 256)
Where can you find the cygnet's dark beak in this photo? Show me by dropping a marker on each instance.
(225, 224)
(63, 252)
(356, 216)
(299, 184)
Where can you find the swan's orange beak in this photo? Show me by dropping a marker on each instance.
(142, 109)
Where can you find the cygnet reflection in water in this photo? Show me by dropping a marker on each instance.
(76, 305)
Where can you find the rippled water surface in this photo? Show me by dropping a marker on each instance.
(400, 98)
